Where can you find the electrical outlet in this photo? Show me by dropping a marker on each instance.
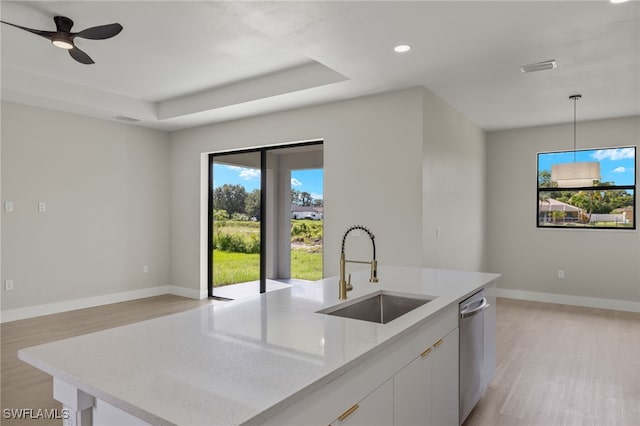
(42, 207)
(8, 206)
(8, 285)
(145, 269)
(561, 274)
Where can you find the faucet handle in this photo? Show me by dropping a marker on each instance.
(349, 286)
(374, 272)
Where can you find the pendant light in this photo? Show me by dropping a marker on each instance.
(576, 174)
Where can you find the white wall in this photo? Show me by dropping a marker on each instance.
(373, 176)
(601, 264)
(374, 166)
(106, 187)
(453, 193)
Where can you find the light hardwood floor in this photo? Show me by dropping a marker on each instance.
(557, 365)
(563, 365)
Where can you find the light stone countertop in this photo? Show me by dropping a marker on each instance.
(241, 361)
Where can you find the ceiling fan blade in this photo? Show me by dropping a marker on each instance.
(101, 32)
(45, 34)
(80, 56)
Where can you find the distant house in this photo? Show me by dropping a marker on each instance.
(627, 213)
(305, 212)
(554, 211)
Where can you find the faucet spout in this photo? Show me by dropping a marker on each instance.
(345, 286)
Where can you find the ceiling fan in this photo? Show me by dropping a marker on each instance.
(63, 37)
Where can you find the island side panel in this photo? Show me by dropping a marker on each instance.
(489, 370)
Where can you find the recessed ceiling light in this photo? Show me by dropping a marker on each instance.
(401, 48)
(539, 66)
(618, 1)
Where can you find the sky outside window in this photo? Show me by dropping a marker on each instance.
(310, 181)
(617, 165)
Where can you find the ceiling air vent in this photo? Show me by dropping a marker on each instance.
(127, 119)
(539, 66)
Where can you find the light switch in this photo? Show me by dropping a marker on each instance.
(42, 207)
(8, 206)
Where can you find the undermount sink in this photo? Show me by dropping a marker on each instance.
(380, 307)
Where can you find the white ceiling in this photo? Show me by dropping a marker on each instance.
(179, 64)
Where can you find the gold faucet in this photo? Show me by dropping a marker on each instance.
(345, 286)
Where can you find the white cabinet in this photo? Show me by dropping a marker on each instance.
(444, 381)
(426, 390)
(412, 392)
(393, 386)
(376, 409)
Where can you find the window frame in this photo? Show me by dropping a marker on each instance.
(540, 190)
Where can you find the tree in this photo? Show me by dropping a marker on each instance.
(230, 198)
(295, 197)
(544, 180)
(558, 216)
(252, 204)
(306, 199)
(588, 201)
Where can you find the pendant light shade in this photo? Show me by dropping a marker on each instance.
(576, 174)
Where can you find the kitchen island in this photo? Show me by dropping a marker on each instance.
(269, 358)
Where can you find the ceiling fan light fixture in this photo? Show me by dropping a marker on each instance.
(539, 66)
(63, 37)
(62, 43)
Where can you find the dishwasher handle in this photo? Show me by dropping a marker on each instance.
(467, 311)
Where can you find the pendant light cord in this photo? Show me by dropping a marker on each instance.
(575, 102)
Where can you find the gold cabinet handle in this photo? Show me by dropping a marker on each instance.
(426, 352)
(348, 412)
(438, 343)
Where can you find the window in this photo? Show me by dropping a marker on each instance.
(606, 202)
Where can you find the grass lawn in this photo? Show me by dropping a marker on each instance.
(232, 265)
(231, 268)
(306, 266)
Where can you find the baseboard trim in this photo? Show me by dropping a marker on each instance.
(188, 292)
(566, 299)
(72, 305)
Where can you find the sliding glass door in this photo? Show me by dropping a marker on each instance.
(234, 211)
(251, 206)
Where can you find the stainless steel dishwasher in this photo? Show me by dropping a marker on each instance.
(471, 351)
